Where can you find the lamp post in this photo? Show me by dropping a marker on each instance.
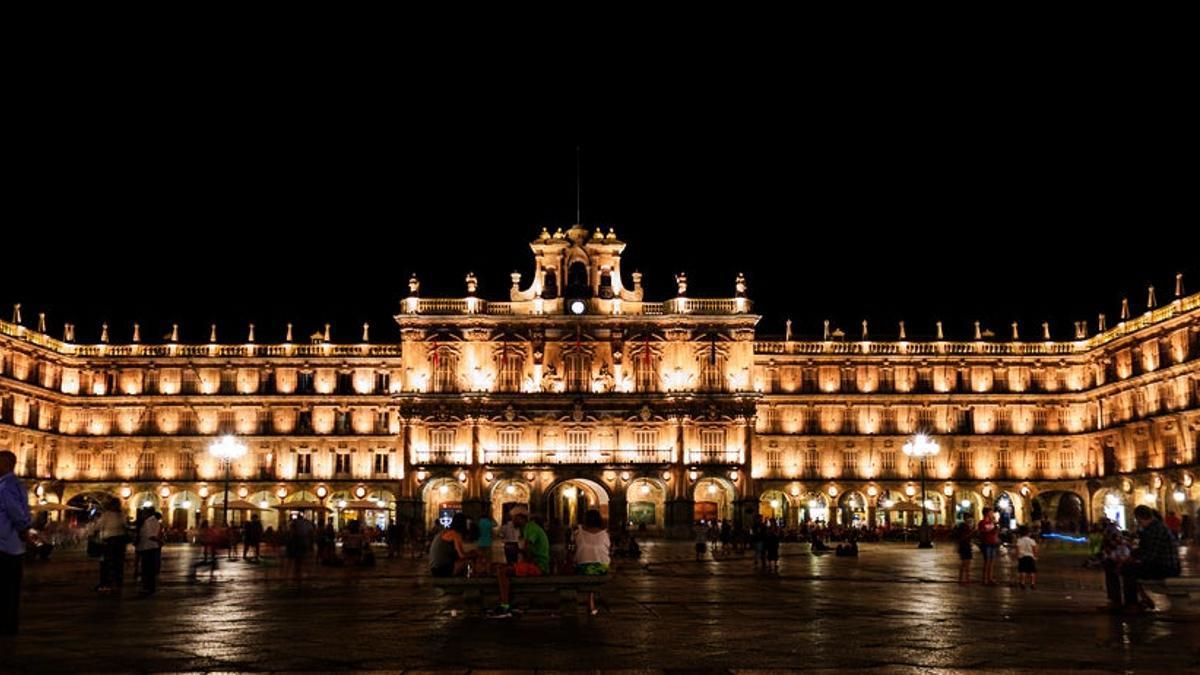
(921, 446)
(227, 449)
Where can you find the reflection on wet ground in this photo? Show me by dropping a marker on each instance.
(893, 607)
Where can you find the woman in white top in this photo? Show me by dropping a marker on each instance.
(592, 551)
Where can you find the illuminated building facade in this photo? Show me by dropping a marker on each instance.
(577, 392)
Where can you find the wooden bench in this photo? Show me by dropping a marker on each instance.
(476, 590)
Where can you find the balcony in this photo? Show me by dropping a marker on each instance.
(620, 456)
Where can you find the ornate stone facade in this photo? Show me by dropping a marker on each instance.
(579, 392)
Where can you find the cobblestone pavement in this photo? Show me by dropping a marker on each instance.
(895, 607)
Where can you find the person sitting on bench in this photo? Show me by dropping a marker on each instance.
(1156, 557)
(534, 558)
(447, 556)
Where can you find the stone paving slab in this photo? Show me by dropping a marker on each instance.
(895, 608)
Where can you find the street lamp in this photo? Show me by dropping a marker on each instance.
(227, 449)
(921, 446)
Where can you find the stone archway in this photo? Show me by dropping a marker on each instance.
(713, 499)
(507, 493)
(568, 499)
(1063, 509)
(646, 502)
(443, 497)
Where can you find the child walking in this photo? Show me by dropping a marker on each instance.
(1026, 558)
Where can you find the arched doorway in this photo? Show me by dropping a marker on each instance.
(774, 505)
(967, 503)
(90, 505)
(646, 499)
(1113, 503)
(713, 499)
(852, 509)
(1006, 510)
(569, 500)
(506, 494)
(814, 508)
(443, 498)
(183, 511)
(1062, 508)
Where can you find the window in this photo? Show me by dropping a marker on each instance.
(712, 442)
(645, 369)
(512, 366)
(850, 462)
(712, 370)
(83, 461)
(342, 463)
(812, 462)
(303, 463)
(441, 441)
(888, 461)
(509, 440)
(1042, 459)
(578, 371)
(646, 439)
(966, 460)
(1066, 460)
(147, 464)
(578, 440)
(1004, 459)
(445, 370)
(108, 463)
(187, 463)
(381, 463)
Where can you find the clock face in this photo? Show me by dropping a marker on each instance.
(577, 307)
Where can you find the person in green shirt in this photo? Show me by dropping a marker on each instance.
(534, 562)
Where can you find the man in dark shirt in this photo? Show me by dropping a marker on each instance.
(1156, 556)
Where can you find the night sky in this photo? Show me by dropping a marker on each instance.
(999, 198)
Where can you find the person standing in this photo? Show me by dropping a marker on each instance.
(1026, 559)
(149, 550)
(484, 542)
(593, 551)
(115, 537)
(14, 531)
(964, 532)
(989, 544)
(252, 537)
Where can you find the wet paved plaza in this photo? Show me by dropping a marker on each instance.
(894, 607)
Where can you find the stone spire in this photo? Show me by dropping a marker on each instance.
(174, 332)
(104, 333)
(472, 283)
(681, 283)
(366, 332)
(978, 333)
(250, 337)
(1124, 309)
(1151, 303)
(826, 338)
(787, 330)
(17, 314)
(68, 332)
(289, 333)
(325, 337)
(739, 285)
(1102, 322)
(42, 322)
(414, 285)
(940, 334)
(1179, 285)
(212, 333)
(1046, 331)
(1016, 332)
(137, 332)
(864, 337)
(903, 333)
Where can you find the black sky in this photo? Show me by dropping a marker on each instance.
(1017, 191)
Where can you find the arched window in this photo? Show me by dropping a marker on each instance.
(577, 281)
(549, 284)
